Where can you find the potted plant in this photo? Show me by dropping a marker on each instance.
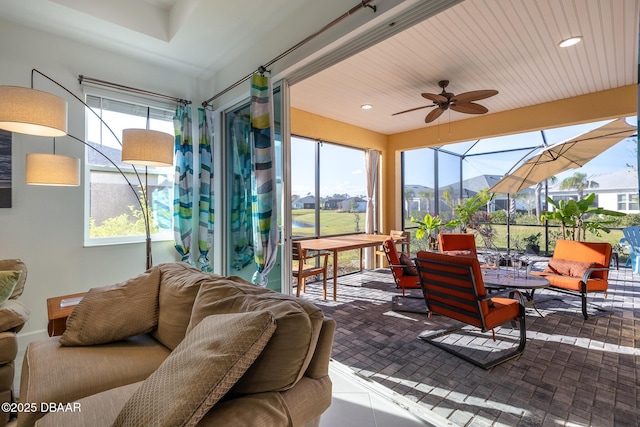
(532, 243)
(430, 226)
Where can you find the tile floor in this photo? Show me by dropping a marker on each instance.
(358, 402)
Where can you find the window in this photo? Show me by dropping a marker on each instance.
(113, 213)
(627, 202)
(328, 187)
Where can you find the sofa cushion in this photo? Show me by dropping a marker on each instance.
(201, 369)
(8, 281)
(116, 312)
(179, 284)
(98, 410)
(53, 373)
(256, 410)
(8, 347)
(289, 352)
(13, 315)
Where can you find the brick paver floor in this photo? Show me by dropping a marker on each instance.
(573, 372)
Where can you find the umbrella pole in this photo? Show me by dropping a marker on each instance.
(508, 223)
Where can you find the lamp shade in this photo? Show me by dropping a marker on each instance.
(32, 112)
(147, 147)
(52, 169)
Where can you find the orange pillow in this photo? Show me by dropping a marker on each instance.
(578, 268)
(567, 267)
(559, 266)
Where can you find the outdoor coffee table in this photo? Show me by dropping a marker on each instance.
(527, 284)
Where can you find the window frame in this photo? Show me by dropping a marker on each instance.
(166, 235)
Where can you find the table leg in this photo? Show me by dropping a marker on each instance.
(335, 275)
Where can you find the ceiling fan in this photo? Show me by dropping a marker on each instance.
(462, 103)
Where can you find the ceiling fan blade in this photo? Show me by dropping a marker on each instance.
(412, 109)
(474, 95)
(435, 97)
(469, 108)
(433, 115)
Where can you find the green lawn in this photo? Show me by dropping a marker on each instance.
(336, 222)
(331, 222)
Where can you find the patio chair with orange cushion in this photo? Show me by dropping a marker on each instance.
(404, 274)
(457, 244)
(578, 268)
(453, 287)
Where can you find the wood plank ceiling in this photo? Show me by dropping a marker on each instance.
(510, 46)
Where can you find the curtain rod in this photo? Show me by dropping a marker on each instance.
(98, 82)
(263, 68)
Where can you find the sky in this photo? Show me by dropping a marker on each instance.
(341, 169)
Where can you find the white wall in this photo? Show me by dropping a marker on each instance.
(44, 227)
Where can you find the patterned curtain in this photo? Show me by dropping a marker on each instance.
(206, 203)
(241, 234)
(183, 183)
(263, 194)
(371, 160)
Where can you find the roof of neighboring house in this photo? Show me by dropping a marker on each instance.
(622, 179)
(306, 199)
(481, 182)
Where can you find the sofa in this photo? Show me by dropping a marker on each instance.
(13, 316)
(177, 346)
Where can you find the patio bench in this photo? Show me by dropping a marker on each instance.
(577, 269)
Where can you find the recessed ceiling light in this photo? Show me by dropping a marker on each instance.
(570, 41)
(366, 106)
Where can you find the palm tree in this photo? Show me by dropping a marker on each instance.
(427, 195)
(579, 182)
(408, 195)
(538, 190)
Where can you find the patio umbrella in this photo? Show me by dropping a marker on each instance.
(563, 156)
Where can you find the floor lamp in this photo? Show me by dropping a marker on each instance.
(33, 112)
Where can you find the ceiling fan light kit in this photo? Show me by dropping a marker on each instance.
(462, 103)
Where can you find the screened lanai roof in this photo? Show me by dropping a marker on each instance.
(500, 155)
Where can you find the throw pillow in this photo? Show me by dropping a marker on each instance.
(201, 369)
(409, 268)
(288, 354)
(8, 281)
(559, 266)
(113, 313)
(578, 268)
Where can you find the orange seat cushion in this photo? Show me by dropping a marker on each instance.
(502, 310)
(574, 283)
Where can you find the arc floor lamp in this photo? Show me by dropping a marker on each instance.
(34, 112)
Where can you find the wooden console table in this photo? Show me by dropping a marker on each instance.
(58, 314)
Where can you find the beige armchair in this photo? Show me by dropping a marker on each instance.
(13, 316)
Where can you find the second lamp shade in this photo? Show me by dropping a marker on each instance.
(147, 147)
